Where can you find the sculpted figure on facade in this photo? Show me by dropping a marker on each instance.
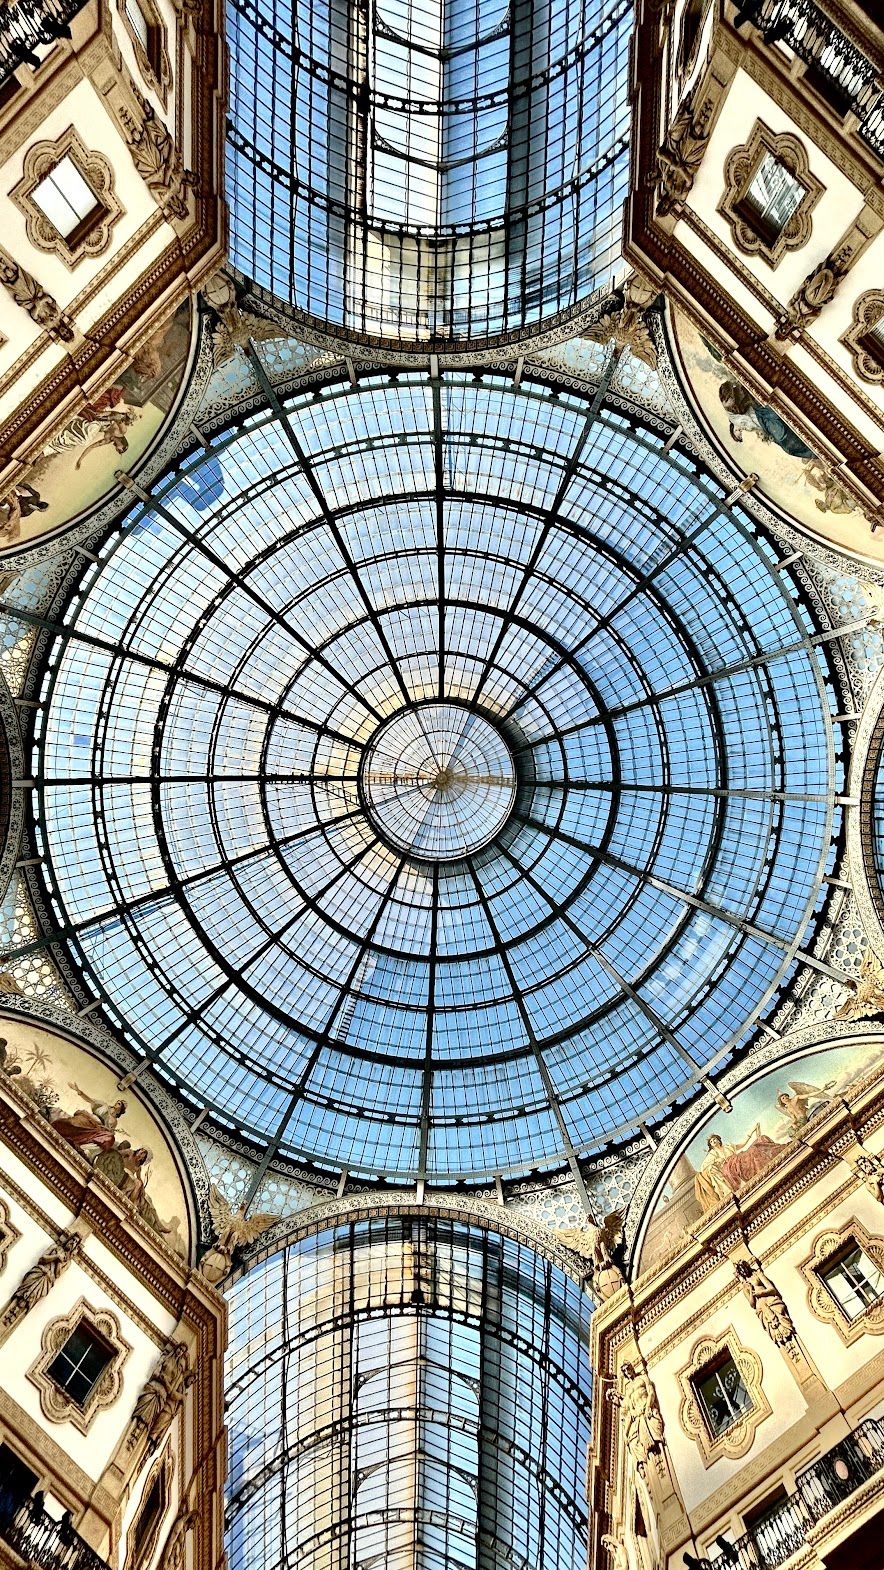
(623, 320)
(767, 1302)
(599, 1245)
(41, 307)
(163, 1394)
(37, 1282)
(682, 152)
(156, 156)
(818, 288)
(640, 1415)
(233, 1228)
(866, 993)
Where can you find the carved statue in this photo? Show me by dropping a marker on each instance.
(156, 157)
(871, 1169)
(234, 325)
(41, 307)
(617, 1557)
(162, 1395)
(232, 1229)
(41, 1278)
(174, 1551)
(763, 1296)
(681, 152)
(640, 1414)
(866, 992)
(598, 1245)
(818, 288)
(626, 324)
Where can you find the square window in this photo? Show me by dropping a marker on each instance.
(66, 199)
(79, 1364)
(853, 1279)
(772, 196)
(722, 1395)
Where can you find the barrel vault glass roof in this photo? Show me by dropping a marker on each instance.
(597, 681)
(406, 1393)
(428, 169)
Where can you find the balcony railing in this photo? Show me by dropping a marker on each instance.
(26, 24)
(843, 73)
(820, 1488)
(39, 1539)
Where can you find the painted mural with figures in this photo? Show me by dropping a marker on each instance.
(733, 1148)
(756, 440)
(114, 1131)
(75, 467)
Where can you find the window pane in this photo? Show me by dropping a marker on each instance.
(855, 1282)
(772, 197)
(64, 197)
(723, 1396)
(79, 1364)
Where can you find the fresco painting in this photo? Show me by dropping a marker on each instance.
(758, 441)
(114, 1131)
(76, 466)
(734, 1148)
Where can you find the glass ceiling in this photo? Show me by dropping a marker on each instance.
(404, 1394)
(428, 169)
(435, 779)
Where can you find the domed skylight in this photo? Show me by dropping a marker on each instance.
(435, 780)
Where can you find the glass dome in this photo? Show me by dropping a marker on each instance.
(406, 1392)
(435, 779)
(429, 170)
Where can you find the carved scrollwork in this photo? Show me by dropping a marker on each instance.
(740, 169)
(868, 314)
(682, 150)
(42, 307)
(98, 174)
(55, 1403)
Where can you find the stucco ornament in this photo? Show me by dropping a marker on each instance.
(156, 157)
(162, 1395)
(640, 1415)
(623, 320)
(817, 290)
(233, 1229)
(617, 1556)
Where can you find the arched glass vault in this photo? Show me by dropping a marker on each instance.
(433, 170)
(435, 778)
(407, 1393)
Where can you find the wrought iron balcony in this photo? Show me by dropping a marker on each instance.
(820, 1488)
(39, 1539)
(839, 68)
(26, 24)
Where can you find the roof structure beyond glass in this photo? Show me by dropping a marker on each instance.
(428, 169)
(435, 779)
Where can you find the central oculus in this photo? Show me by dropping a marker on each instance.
(438, 781)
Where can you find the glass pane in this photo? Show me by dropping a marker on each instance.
(723, 1396)
(772, 197)
(64, 197)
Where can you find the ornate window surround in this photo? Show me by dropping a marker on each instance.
(163, 1468)
(823, 1305)
(55, 1404)
(868, 311)
(740, 168)
(8, 1234)
(736, 1440)
(98, 173)
(157, 73)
